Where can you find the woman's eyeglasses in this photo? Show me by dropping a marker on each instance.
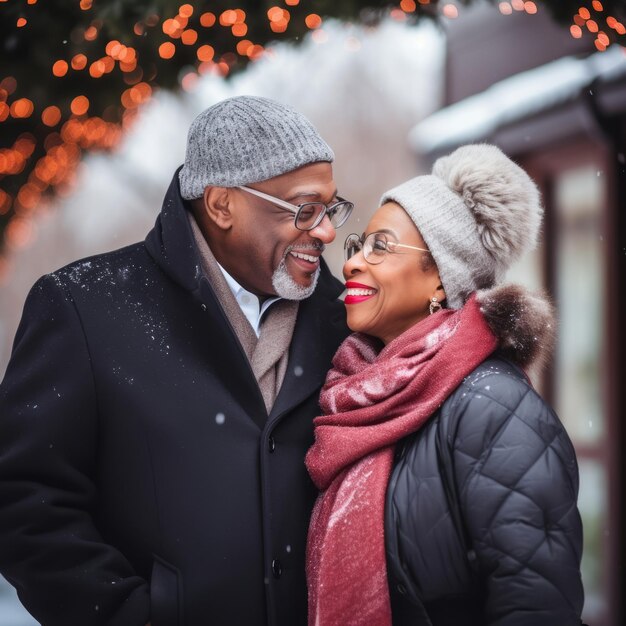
(309, 215)
(374, 247)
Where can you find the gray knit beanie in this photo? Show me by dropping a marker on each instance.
(477, 211)
(245, 140)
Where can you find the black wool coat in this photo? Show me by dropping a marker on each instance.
(140, 475)
(481, 524)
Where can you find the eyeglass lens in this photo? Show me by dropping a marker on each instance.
(352, 246)
(311, 214)
(374, 247)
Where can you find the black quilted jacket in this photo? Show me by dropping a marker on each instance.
(481, 521)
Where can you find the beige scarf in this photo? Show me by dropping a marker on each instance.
(268, 354)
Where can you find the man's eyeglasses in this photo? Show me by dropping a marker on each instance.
(374, 247)
(308, 215)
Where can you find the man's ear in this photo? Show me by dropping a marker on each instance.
(217, 206)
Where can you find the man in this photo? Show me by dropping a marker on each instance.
(159, 400)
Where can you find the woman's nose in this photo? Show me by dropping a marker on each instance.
(354, 265)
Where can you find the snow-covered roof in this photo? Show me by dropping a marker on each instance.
(515, 98)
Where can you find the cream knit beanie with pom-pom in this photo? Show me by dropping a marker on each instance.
(478, 212)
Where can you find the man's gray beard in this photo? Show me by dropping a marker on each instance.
(286, 287)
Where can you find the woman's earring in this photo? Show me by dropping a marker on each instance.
(434, 306)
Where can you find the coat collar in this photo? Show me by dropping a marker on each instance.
(320, 326)
(171, 244)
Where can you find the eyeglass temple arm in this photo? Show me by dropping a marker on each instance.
(277, 201)
(404, 245)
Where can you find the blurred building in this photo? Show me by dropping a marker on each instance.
(558, 107)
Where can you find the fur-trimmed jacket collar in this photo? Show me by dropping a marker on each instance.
(523, 321)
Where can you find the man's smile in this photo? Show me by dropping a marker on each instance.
(305, 257)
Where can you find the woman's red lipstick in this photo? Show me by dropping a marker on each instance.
(357, 292)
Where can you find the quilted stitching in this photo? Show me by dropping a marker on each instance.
(517, 481)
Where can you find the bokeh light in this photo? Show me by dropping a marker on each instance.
(104, 69)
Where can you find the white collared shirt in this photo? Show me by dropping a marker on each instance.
(248, 302)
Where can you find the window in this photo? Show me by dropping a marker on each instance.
(579, 203)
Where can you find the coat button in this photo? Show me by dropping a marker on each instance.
(401, 589)
(203, 306)
(277, 569)
(271, 444)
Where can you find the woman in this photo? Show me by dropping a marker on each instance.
(448, 486)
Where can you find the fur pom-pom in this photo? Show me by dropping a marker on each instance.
(523, 321)
(503, 198)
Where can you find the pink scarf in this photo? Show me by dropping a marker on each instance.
(370, 401)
